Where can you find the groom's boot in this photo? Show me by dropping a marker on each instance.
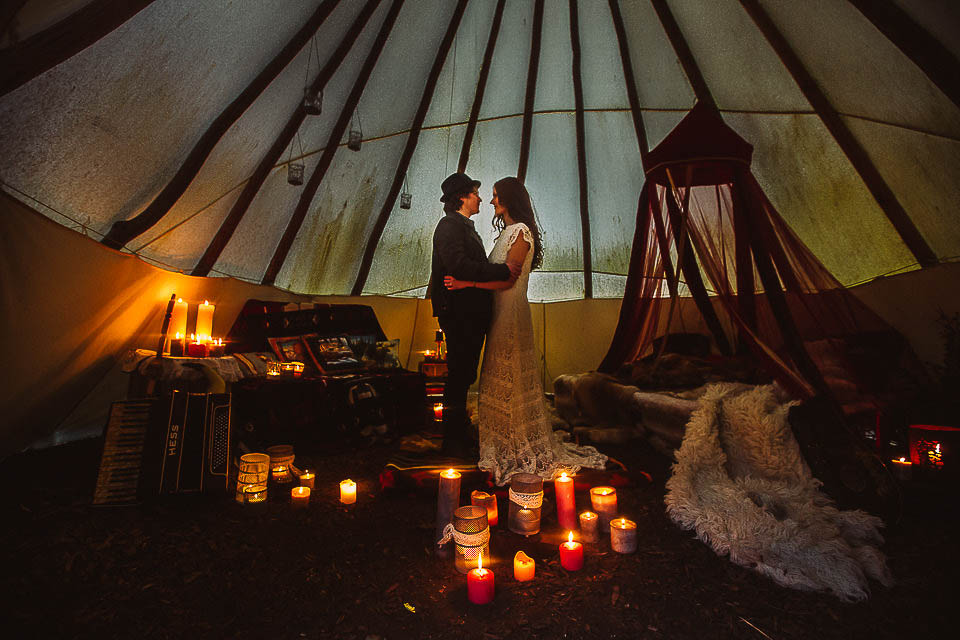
(456, 434)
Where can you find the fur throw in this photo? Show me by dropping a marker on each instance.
(742, 484)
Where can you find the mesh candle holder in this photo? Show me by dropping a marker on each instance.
(471, 536)
(295, 174)
(281, 459)
(526, 502)
(252, 478)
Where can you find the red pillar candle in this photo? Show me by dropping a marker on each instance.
(571, 554)
(480, 583)
(566, 505)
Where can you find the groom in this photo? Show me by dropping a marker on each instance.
(464, 315)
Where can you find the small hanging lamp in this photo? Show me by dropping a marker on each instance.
(312, 100)
(356, 133)
(295, 169)
(405, 196)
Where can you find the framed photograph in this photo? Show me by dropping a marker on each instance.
(290, 349)
(331, 354)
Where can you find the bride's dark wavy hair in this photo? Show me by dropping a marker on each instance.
(514, 197)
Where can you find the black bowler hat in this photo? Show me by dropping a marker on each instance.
(457, 184)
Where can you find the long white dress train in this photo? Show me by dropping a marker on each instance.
(515, 433)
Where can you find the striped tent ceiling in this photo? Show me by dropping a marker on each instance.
(182, 117)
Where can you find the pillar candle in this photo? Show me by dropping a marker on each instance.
(178, 318)
(623, 535)
(604, 502)
(589, 527)
(300, 496)
(348, 491)
(197, 350)
(571, 554)
(489, 502)
(205, 321)
(306, 479)
(448, 499)
(480, 584)
(902, 468)
(176, 345)
(523, 567)
(566, 504)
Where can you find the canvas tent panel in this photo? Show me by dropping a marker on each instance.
(660, 81)
(493, 155)
(922, 170)
(457, 83)
(554, 188)
(162, 61)
(825, 201)
(939, 17)
(602, 69)
(884, 84)
(402, 258)
(658, 124)
(606, 285)
(740, 68)
(554, 80)
(614, 176)
(325, 256)
(555, 286)
(506, 84)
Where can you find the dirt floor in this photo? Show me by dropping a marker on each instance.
(210, 568)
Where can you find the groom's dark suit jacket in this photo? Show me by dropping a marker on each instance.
(458, 251)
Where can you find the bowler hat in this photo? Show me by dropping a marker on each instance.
(457, 184)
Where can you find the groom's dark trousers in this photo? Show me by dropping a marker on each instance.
(464, 315)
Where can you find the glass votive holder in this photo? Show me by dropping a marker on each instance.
(623, 535)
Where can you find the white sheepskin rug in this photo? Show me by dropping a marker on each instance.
(742, 484)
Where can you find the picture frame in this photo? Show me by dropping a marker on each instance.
(290, 349)
(331, 354)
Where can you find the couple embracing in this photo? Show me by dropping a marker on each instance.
(476, 297)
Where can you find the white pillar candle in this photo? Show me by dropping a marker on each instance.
(205, 321)
(623, 535)
(604, 502)
(300, 496)
(307, 478)
(348, 491)
(178, 320)
(589, 527)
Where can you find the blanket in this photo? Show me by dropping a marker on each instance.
(740, 481)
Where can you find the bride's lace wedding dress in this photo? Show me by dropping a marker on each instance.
(515, 432)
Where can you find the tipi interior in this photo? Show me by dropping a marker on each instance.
(734, 181)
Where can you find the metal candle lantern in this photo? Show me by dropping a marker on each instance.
(281, 459)
(252, 478)
(312, 102)
(471, 536)
(526, 500)
(355, 137)
(295, 173)
(405, 196)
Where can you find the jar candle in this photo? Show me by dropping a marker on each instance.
(523, 567)
(571, 554)
(300, 496)
(604, 503)
(623, 535)
(348, 491)
(589, 527)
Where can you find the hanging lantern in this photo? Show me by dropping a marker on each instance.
(312, 100)
(406, 198)
(356, 134)
(295, 169)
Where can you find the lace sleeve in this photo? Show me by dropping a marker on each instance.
(515, 231)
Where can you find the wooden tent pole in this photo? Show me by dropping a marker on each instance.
(684, 55)
(123, 231)
(851, 147)
(25, 60)
(270, 158)
(333, 141)
(377, 232)
(481, 86)
(532, 69)
(629, 79)
(935, 60)
(581, 152)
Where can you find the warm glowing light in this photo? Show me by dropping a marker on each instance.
(570, 538)
(348, 491)
(937, 448)
(902, 459)
(451, 473)
(480, 562)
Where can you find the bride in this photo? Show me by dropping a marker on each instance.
(515, 432)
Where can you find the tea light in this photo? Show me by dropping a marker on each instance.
(623, 535)
(523, 567)
(902, 468)
(307, 478)
(253, 494)
(281, 474)
(571, 554)
(348, 491)
(604, 502)
(487, 501)
(589, 527)
(566, 505)
(205, 321)
(480, 584)
(300, 496)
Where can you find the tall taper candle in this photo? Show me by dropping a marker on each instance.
(566, 504)
(448, 499)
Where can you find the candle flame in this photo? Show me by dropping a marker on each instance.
(563, 475)
(902, 459)
(179, 299)
(938, 447)
(570, 538)
(480, 562)
(207, 302)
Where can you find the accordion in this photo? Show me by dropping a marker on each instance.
(173, 444)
